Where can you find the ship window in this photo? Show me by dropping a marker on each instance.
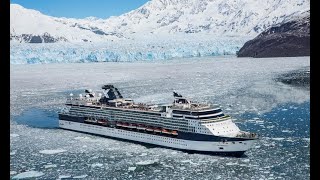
(220, 147)
(206, 112)
(181, 112)
(210, 117)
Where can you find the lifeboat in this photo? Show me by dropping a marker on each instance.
(165, 131)
(119, 124)
(158, 130)
(174, 132)
(149, 129)
(102, 121)
(126, 125)
(133, 126)
(141, 127)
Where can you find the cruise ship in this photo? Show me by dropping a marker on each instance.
(183, 125)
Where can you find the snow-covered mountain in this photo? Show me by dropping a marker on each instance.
(158, 18)
(288, 39)
(28, 25)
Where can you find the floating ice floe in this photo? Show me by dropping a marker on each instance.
(288, 131)
(270, 145)
(306, 139)
(147, 162)
(246, 160)
(14, 135)
(63, 176)
(80, 177)
(13, 172)
(96, 165)
(186, 161)
(50, 166)
(290, 140)
(189, 161)
(143, 154)
(83, 138)
(231, 164)
(12, 153)
(132, 168)
(52, 151)
(28, 174)
(278, 139)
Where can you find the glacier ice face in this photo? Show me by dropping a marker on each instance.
(124, 51)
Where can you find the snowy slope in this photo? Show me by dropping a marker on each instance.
(24, 22)
(164, 17)
(217, 17)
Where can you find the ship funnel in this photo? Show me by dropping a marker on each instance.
(113, 92)
(176, 94)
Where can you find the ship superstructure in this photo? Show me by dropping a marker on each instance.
(183, 124)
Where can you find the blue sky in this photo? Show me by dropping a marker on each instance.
(81, 8)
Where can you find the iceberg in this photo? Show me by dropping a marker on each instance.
(28, 174)
(53, 151)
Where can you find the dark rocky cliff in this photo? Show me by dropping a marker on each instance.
(30, 38)
(288, 39)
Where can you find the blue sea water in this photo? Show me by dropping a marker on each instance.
(38, 118)
(290, 120)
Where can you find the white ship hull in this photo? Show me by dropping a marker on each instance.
(237, 147)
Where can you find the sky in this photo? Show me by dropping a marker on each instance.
(81, 8)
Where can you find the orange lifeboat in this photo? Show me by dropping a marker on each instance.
(133, 126)
(102, 121)
(119, 124)
(158, 130)
(165, 131)
(141, 127)
(149, 129)
(174, 132)
(126, 125)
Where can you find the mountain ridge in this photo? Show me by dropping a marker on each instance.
(288, 39)
(157, 18)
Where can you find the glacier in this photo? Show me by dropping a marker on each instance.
(124, 51)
